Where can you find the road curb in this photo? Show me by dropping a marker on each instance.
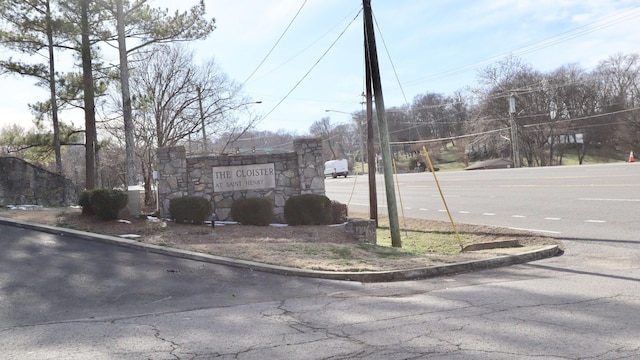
(365, 276)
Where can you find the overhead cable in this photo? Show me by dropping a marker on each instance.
(311, 69)
(276, 44)
(599, 24)
(390, 60)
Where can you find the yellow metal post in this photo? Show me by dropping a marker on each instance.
(395, 170)
(455, 229)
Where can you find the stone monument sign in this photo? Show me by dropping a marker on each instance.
(224, 179)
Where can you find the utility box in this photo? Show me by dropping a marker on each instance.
(135, 196)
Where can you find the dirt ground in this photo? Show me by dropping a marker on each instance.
(309, 247)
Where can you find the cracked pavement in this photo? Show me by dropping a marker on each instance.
(64, 298)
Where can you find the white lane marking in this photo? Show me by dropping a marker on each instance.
(408, 208)
(488, 214)
(595, 221)
(518, 216)
(536, 230)
(553, 218)
(423, 209)
(597, 199)
(464, 212)
(442, 210)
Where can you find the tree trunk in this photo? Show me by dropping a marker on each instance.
(130, 148)
(89, 95)
(52, 89)
(582, 151)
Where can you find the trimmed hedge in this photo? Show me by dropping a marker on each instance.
(84, 200)
(252, 211)
(189, 209)
(104, 203)
(339, 212)
(308, 209)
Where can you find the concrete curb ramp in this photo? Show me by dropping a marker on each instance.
(365, 276)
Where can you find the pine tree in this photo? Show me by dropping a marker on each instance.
(30, 27)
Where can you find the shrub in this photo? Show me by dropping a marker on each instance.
(417, 163)
(252, 211)
(308, 209)
(339, 212)
(413, 164)
(84, 200)
(189, 209)
(107, 203)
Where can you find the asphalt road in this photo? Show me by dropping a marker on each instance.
(64, 298)
(582, 202)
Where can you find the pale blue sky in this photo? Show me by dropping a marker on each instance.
(435, 46)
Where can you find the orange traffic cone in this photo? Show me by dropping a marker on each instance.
(631, 159)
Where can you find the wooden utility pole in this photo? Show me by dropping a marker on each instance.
(204, 130)
(383, 130)
(515, 149)
(371, 152)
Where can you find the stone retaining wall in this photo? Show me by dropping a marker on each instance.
(24, 184)
(294, 173)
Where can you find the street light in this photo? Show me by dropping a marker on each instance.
(338, 111)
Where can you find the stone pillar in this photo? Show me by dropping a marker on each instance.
(310, 165)
(362, 229)
(172, 176)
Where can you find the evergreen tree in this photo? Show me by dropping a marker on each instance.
(31, 27)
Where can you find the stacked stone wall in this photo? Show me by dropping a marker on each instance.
(24, 184)
(295, 173)
(310, 165)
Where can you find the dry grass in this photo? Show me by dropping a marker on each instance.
(425, 243)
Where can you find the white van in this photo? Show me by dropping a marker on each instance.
(335, 168)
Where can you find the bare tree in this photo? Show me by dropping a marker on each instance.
(619, 80)
(179, 99)
(145, 26)
(175, 101)
(512, 77)
(574, 102)
(257, 141)
(430, 112)
(324, 129)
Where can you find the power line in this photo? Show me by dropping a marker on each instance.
(390, 60)
(309, 46)
(581, 118)
(537, 45)
(572, 34)
(311, 69)
(276, 44)
(413, 142)
(599, 24)
(524, 126)
(447, 138)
